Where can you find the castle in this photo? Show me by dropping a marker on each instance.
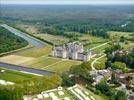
(73, 51)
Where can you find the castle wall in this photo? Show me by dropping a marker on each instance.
(72, 51)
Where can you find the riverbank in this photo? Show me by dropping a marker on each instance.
(17, 50)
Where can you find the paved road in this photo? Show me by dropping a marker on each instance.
(28, 38)
(26, 69)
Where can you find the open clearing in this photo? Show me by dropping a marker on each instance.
(28, 28)
(63, 66)
(92, 39)
(57, 40)
(15, 59)
(116, 35)
(93, 42)
(36, 52)
(52, 64)
(15, 76)
(128, 46)
(119, 34)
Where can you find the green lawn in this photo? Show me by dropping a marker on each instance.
(92, 39)
(52, 64)
(62, 66)
(91, 45)
(14, 76)
(42, 62)
(102, 48)
(36, 52)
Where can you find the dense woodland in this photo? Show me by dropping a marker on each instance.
(9, 41)
(95, 20)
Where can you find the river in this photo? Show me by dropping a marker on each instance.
(29, 39)
(35, 43)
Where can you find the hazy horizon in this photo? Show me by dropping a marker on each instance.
(68, 2)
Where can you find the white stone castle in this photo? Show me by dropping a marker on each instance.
(73, 51)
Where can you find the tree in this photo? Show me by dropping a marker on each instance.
(113, 79)
(121, 95)
(108, 64)
(11, 93)
(122, 39)
(82, 71)
(66, 80)
(104, 88)
(118, 65)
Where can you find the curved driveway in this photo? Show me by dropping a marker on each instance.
(92, 64)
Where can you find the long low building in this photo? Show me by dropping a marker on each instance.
(73, 51)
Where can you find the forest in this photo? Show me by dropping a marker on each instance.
(94, 20)
(9, 41)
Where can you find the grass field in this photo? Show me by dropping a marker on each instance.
(92, 39)
(62, 66)
(112, 33)
(33, 29)
(102, 48)
(15, 59)
(41, 62)
(116, 35)
(128, 46)
(55, 39)
(14, 76)
(28, 28)
(51, 64)
(36, 52)
(91, 45)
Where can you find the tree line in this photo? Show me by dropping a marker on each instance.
(9, 41)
